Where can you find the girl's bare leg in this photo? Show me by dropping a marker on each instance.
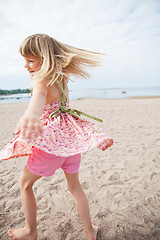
(81, 204)
(29, 232)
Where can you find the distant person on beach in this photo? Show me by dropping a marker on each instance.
(51, 133)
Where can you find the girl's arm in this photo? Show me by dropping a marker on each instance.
(30, 121)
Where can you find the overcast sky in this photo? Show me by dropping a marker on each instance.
(128, 31)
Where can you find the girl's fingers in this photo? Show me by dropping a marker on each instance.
(29, 128)
(38, 130)
(34, 130)
(23, 131)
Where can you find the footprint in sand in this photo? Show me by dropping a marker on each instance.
(114, 177)
(64, 229)
(15, 193)
(12, 204)
(155, 176)
(104, 171)
(53, 187)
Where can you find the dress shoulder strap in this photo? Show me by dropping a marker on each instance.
(63, 97)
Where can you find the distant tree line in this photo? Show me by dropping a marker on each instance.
(14, 91)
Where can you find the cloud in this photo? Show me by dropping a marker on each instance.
(128, 31)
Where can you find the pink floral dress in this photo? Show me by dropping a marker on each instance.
(65, 133)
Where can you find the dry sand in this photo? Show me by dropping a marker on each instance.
(122, 183)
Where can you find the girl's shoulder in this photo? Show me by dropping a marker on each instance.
(40, 87)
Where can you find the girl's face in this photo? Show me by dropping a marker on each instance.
(32, 64)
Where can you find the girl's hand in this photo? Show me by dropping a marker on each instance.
(28, 125)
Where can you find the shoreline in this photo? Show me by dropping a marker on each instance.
(83, 98)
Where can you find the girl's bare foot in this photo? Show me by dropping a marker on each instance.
(92, 233)
(22, 233)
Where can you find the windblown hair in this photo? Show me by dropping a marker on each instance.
(58, 59)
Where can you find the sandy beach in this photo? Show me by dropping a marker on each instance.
(121, 183)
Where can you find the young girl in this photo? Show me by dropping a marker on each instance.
(51, 133)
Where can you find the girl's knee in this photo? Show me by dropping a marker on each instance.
(24, 183)
(27, 179)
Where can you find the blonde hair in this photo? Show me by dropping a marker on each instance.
(58, 59)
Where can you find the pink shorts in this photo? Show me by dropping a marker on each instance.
(44, 164)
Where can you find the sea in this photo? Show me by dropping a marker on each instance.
(106, 93)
